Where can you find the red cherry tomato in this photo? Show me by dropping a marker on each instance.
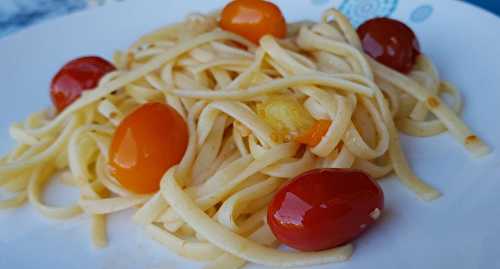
(76, 76)
(390, 42)
(145, 145)
(325, 208)
(253, 19)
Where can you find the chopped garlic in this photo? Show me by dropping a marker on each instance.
(375, 214)
(286, 115)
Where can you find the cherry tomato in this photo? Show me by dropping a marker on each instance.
(253, 19)
(390, 42)
(313, 136)
(325, 208)
(76, 76)
(145, 145)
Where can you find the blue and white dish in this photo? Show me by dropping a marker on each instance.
(460, 230)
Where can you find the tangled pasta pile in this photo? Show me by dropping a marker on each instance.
(245, 106)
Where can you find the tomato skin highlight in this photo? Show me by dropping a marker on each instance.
(390, 42)
(325, 208)
(76, 76)
(253, 19)
(145, 145)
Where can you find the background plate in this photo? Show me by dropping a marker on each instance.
(460, 230)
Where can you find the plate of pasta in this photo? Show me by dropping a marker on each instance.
(252, 134)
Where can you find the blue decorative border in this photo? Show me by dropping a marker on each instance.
(319, 2)
(359, 11)
(421, 13)
(17, 14)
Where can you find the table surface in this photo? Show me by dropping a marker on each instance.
(18, 14)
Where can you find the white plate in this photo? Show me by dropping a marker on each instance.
(461, 230)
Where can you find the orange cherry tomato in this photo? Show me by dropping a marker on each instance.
(313, 136)
(78, 75)
(145, 145)
(253, 19)
(325, 208)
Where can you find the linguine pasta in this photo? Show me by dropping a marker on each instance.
(243, 104)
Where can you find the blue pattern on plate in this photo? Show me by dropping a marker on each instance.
(319, 2)
(359, 11)
(421, 13)
(17, 14)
